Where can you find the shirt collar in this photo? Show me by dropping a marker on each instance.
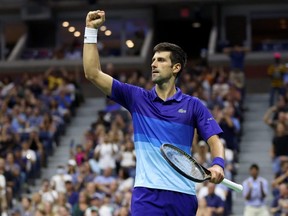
(177, 96)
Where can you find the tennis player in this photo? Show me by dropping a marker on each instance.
(161, 115)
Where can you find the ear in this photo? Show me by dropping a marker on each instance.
(176, 67)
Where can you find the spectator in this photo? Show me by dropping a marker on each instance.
(15, 171)
(105, 181)
(279, 148)
(80, 155)
(214, 202)
(36, 145)
(276, 72)
(61, 202)
(123, 211)
(237, 55)
(63, 211)
(48, 194)
(128, 158)
(106, 208)
(71, 167)
(80, 207)
(92, 211)
(218, 190)
(36, 200)
(276, 113)
(26, 208)
(203, 209)
(53, 78)
(3, 187)
(96, 200)
(106, 152)
(280, 177)
(30, 158)
(58, 180)
(229, 125)
(255, 190)
(83, 176)
(202, 154)
(71, 195)
(124, 181)
(90, 189)
(279, 204)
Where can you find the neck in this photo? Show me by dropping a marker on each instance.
(165, 91)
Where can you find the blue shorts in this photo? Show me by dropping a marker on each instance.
(147, 201)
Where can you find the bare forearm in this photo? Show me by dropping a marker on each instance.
(216, 147)
(91, 60)
(92, 69)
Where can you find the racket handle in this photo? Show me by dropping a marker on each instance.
(232, 185)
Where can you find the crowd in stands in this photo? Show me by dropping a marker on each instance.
(69, 51)
(35, 111)
(276, 117)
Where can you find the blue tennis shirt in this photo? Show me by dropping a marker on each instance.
(156, 122)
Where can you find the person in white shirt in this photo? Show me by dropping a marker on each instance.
(106, 153)
(47, 193)
(255, 190)
(58, 180)
(3, 198)
(128, 158)
(29, 157)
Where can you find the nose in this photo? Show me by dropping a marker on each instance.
(153, 64)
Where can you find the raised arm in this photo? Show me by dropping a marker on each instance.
(91, 59)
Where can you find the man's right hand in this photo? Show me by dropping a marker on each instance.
(95, 19)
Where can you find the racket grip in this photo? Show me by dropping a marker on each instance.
(232, 185)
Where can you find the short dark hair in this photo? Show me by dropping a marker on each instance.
(177, 53)
(254, 166)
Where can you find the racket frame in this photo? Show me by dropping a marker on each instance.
(230, 184)
(206, 173)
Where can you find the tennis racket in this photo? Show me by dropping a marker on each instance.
(190, 168)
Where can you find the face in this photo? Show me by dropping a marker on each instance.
(161, 67)
(254, 172)
(211, 188)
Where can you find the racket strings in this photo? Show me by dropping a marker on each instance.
(185, 164)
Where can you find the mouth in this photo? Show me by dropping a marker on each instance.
(154, 72)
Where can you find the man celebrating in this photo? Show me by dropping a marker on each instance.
(160, 115)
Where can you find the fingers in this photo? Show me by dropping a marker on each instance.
(217, 174)
(98, 14)
(95, 18)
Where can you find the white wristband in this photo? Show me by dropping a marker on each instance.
(90, 35)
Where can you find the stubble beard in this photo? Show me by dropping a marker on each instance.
(156, 79)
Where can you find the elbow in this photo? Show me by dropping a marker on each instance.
(90, 75)
(87, 76)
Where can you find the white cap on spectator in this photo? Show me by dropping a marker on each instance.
(72, 162)
(68, 178)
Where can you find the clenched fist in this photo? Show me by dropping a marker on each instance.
(95, 19)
